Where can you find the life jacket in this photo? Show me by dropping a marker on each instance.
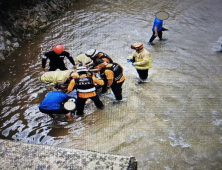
(85, 85)
(117, 70)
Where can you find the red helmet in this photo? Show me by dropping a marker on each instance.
(58, 48)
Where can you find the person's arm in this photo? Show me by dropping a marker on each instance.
(156, 25)
(44, 59)
(71, 85)
(89, 64)
(131, 58)
(97, 69)
(155, 30)
(110, 76)
(109, 82)
(97, 81)
(70, 59)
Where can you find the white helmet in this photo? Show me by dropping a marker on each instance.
(81, 69)
(91, 53)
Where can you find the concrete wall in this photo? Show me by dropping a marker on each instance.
(17, 155)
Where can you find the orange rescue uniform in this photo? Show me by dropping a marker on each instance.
(89, 94)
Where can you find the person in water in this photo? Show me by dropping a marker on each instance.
(53, 102)
(96, 55)
(157, 29)
(56, 57)
(115, 78)
(51, 78)
(85, 85)
(141, 59)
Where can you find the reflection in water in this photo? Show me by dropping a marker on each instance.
(173, 122)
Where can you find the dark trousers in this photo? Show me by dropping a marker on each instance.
(117, 90)
(104, 87)
(80, 103)
(52, 112)
(59, 111)
(143, 74)
(160, 33)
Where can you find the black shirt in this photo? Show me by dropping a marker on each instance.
(56, 60)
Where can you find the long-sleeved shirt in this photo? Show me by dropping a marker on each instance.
(54, 100)
(89, 94)
(143, 59)
(56, 76)
(110, 76)
(157, 23)
(56, 60)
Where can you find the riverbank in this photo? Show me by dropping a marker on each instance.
(21, 20)
(18, 155)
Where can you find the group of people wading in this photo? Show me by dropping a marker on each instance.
(93, 72)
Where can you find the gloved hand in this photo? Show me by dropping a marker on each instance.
(98, 75)
(128, 60)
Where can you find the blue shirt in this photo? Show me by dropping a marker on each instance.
(157, 23)
(54, 100)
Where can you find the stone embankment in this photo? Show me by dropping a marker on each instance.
(17, 155)
(21, 20)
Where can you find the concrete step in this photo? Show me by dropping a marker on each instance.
(18, 155)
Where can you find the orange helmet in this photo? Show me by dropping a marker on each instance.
(58, 49)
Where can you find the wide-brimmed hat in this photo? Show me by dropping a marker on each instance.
(137, 45)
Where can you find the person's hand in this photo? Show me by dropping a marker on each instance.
(45, 69)
(156, 34)
(75, 67)
(89, 73)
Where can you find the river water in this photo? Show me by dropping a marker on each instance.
(173, 122)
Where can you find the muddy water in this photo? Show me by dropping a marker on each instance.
(173, 122)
